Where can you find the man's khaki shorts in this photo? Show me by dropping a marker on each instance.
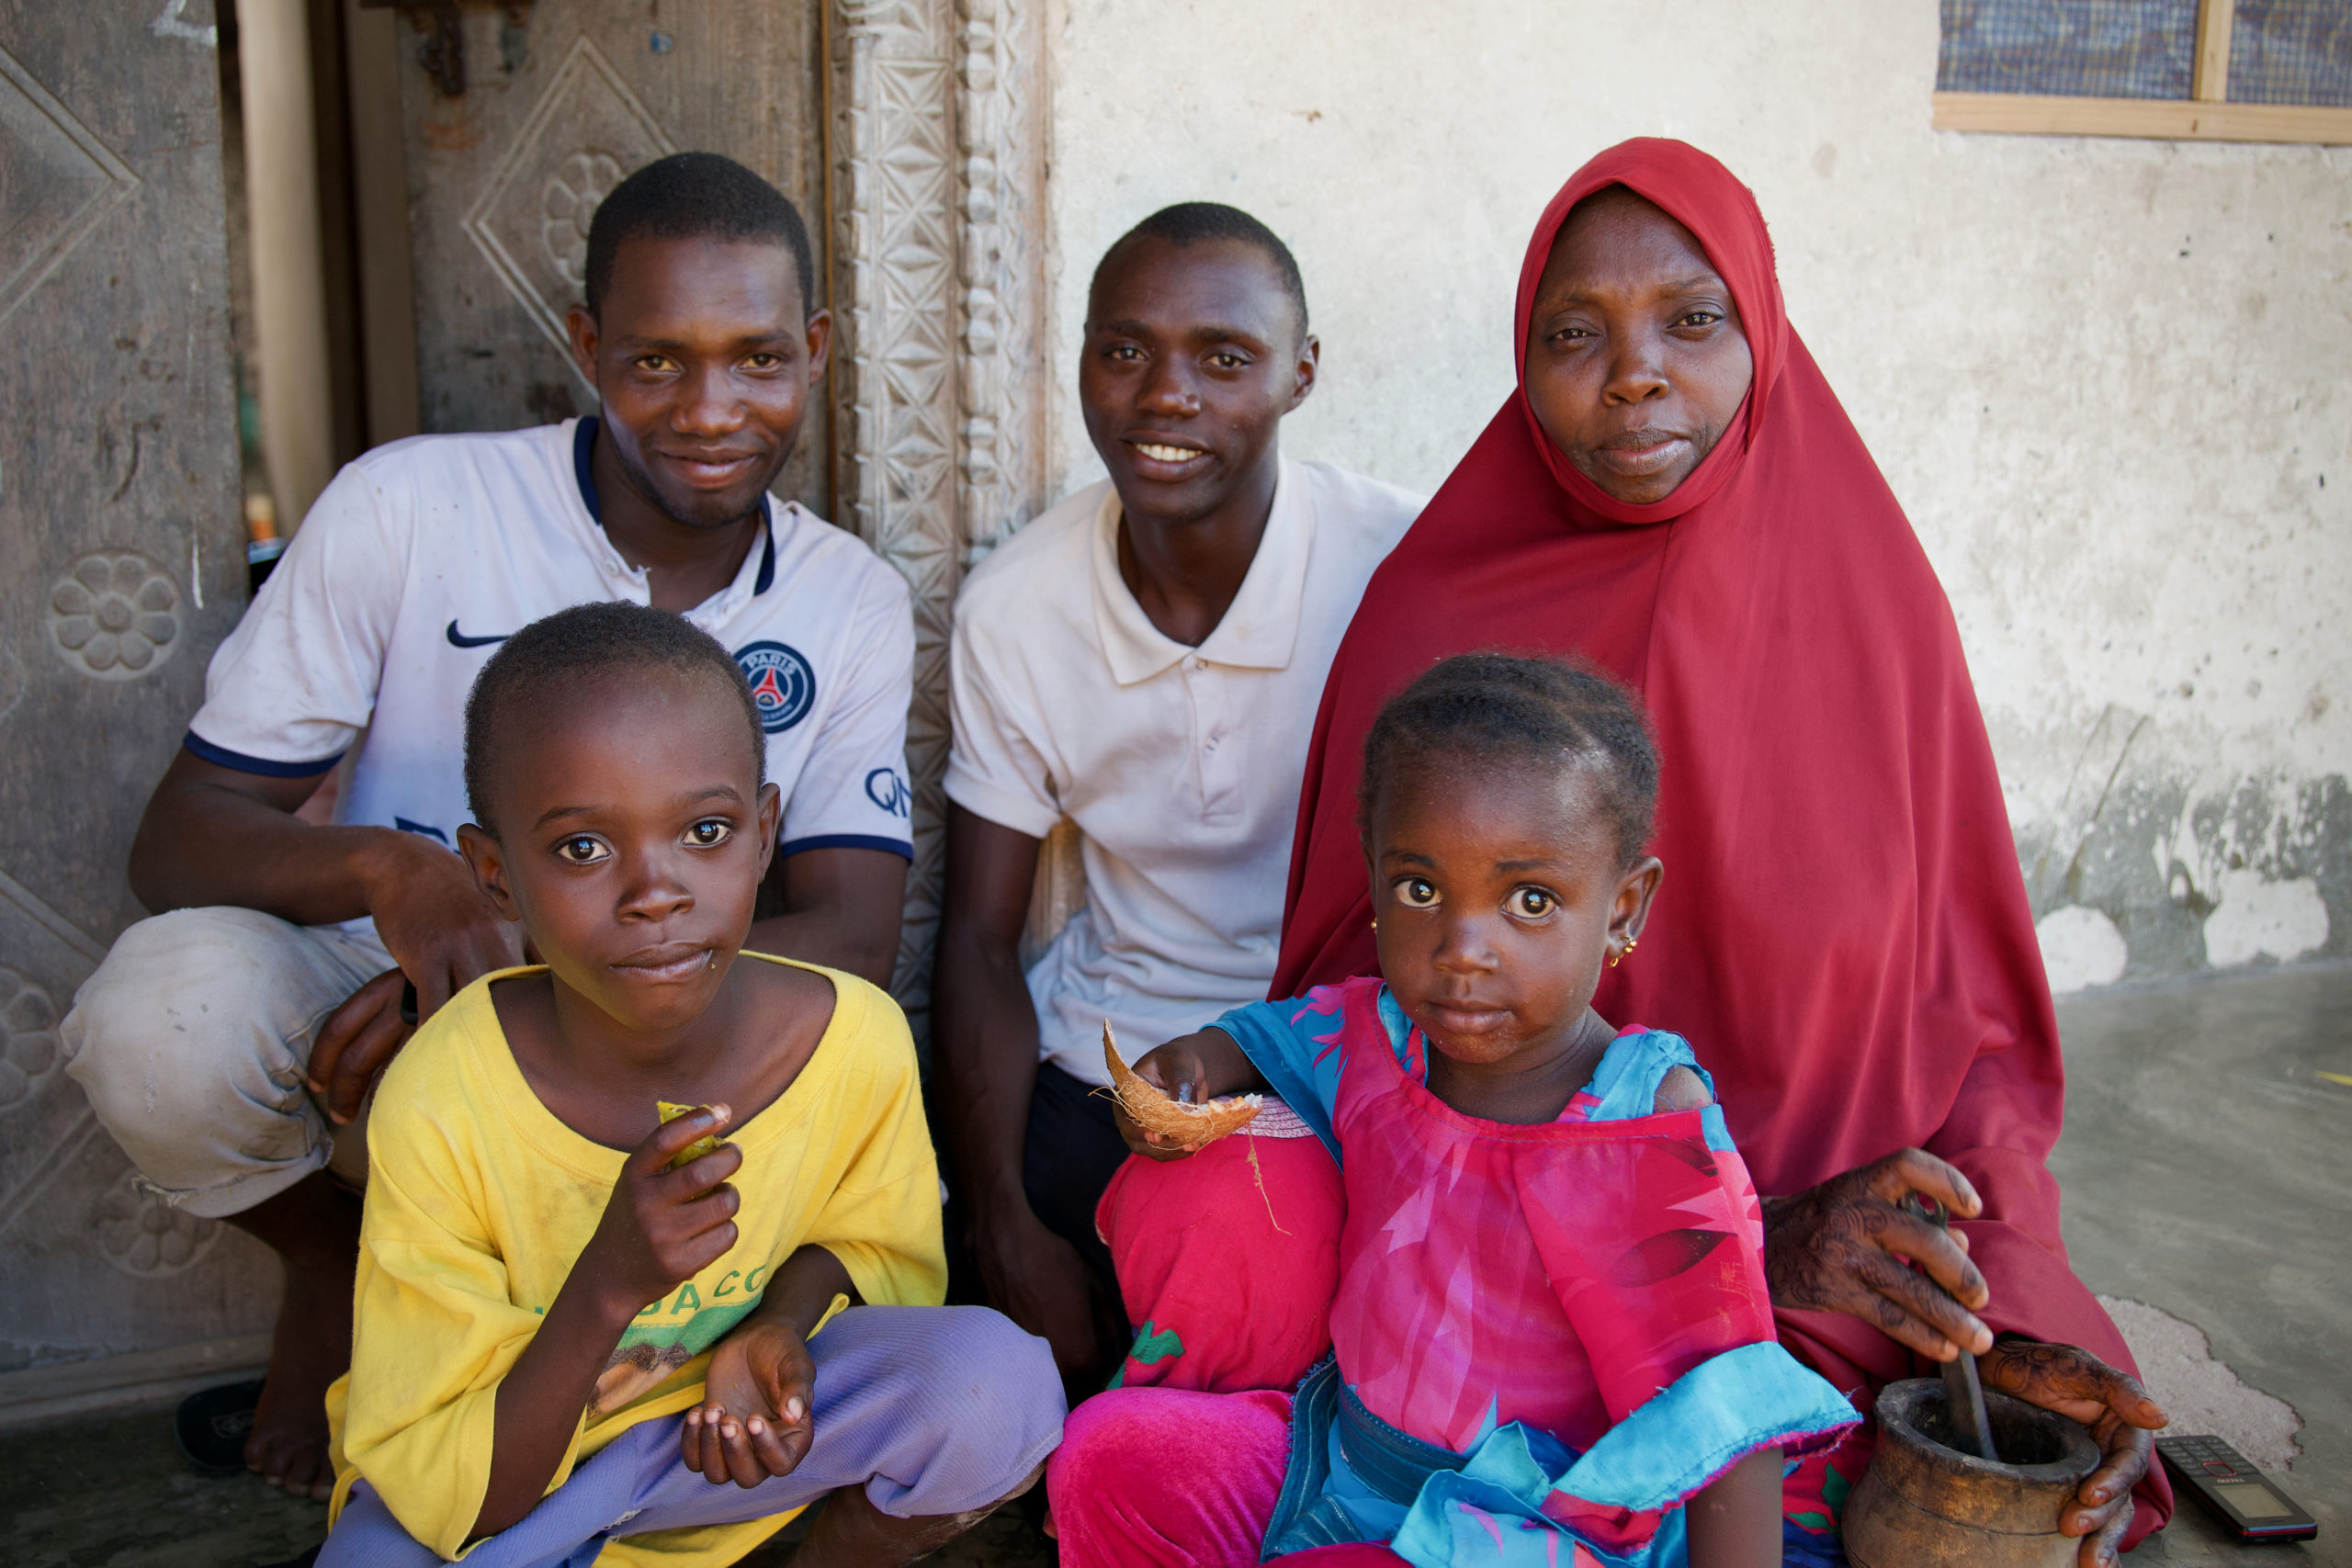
(191, 1041)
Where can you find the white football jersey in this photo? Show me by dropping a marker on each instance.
(425, 554)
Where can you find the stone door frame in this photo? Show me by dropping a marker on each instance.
(936, 153)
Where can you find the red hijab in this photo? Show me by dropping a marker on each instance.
(1843, 933)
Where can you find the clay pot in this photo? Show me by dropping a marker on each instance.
(1922, 1505)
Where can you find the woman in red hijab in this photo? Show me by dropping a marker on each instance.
(1674, 494)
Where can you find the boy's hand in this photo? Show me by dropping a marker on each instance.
(755, 1420)
(664, 1226)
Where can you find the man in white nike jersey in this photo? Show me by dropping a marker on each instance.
(228, 1043)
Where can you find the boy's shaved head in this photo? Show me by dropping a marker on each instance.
(614, 756)
(553, 657)
(1190, 224)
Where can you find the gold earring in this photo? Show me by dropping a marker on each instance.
(1619, 956)
(1376, 923)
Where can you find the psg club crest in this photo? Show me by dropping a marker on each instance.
(783, 685)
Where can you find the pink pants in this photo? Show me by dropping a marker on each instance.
(1171, 1478)
(1228, 1263)
(1229, 1285)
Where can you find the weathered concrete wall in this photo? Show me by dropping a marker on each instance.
(2110, 380)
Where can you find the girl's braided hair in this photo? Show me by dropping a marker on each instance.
(1491, 709)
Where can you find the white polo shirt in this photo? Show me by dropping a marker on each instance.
(1180, 765)
(424, 554)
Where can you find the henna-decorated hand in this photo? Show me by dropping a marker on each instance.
(1834, 1248)
(2081, 1387)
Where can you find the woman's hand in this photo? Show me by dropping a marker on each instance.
(1834, 1249)
(2121, 1416)
(756, 1417)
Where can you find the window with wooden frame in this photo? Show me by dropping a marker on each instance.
(2187, 70)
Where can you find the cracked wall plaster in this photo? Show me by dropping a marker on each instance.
(2196, 873)
(2202, 1394)
(2255, 918)
(2080, 948)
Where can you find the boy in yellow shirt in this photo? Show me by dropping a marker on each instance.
(587, 1334)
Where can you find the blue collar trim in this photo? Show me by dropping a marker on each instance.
(583, 444)
(583, 447)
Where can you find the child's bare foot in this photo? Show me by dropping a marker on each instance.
(314, 1228)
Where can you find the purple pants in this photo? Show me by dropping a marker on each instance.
(932, 1410)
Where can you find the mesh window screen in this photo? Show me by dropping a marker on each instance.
(2095, 49)
(2291, 52)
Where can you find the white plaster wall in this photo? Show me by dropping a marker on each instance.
(2110, 380)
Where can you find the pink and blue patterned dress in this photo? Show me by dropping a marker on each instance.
(1546, 1338)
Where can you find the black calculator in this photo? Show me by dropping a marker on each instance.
(2233, 1491)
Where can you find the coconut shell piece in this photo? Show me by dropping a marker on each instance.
(1189, 1127)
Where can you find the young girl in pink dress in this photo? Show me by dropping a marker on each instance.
(1551, 1339)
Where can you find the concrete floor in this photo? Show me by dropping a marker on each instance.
(2206, 1167)
(2207, 1171)
(112, 1492)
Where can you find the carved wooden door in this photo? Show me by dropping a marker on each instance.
(517, 119)
(121, 563)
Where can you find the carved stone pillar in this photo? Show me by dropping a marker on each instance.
(939, 287)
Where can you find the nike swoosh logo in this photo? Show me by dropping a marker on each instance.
(459, 640)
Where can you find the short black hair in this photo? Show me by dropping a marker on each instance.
(696, 195)
(1499, 708)
(561, 650)
(1200, 222)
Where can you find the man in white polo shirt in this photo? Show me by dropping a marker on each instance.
(229, 1044)
(1146, 660)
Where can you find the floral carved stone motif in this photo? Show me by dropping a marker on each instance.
(530, 223)
(28, 1038)
(937, 152)
(115, 615)
(573, 194)
(142, 1236)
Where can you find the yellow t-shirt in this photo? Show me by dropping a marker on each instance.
(479, 1200)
